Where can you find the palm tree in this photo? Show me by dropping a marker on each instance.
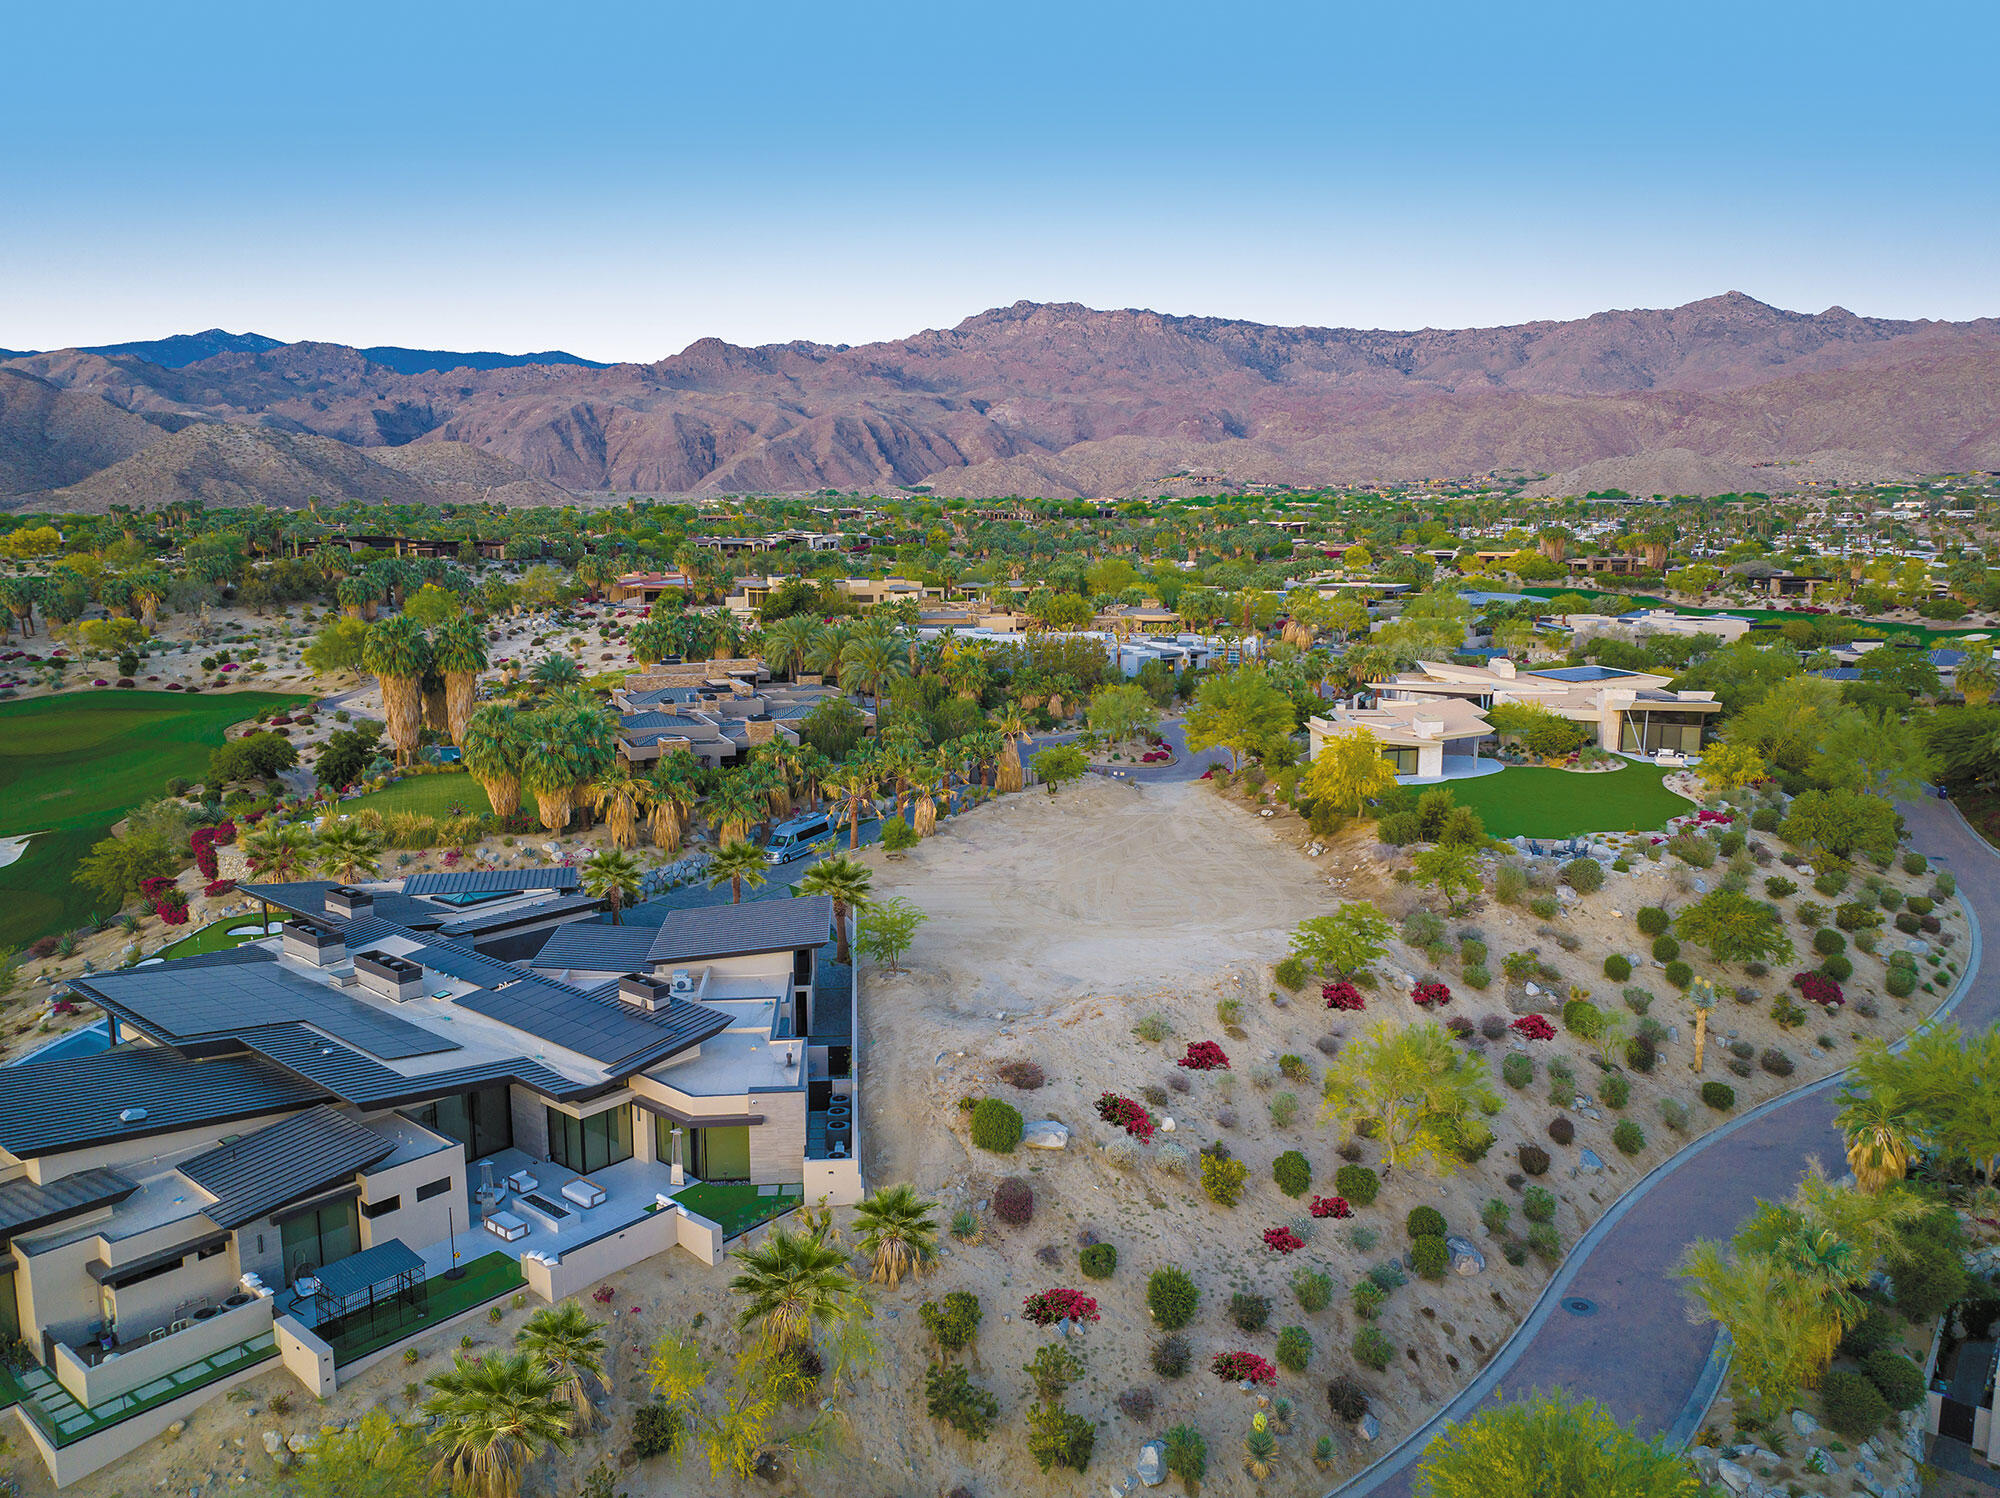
(494, 746)
(739, 863)
(458, 654)
(549, 770)
(282, 852)
(1880, 1133)
(895, 1230)
(786, 759)
(611, 874)
(788, 643)
(852, 786)
(850, 884)
(675, 787)
(868, 664)
(556, 671)
(792, 1283)
(397, 652)
(347, 851)
(926, 783)
(824, 651)
(570, 1346)
(618, 796)
(1013, 731)
(493, 1417)
(734, 805)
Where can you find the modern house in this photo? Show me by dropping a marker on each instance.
(1637, 625)
(716, 710)
(1631, 712)
(1426, 741)
(291, 1145)
(648, 587)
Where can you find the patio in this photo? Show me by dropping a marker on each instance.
(1456, 767)
(544, 1219)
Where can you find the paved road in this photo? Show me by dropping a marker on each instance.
(1638, 1353)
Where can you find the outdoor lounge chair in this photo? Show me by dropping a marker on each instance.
(504, 1226)
(583, 1193)
(520, 1182)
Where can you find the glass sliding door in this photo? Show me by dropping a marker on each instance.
(587, 1144)
(722, 1154)
(482, 1120)
(320, 1236)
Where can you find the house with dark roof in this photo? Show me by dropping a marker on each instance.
(369, 1089)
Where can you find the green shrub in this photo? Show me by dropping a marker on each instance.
(1581, 1017)
(1292, 1173)
(1854, 1407)
(1373, 1350)
(1615, 1090)
(1777, 887)
(1652, 920)
(1944, 886)
(1854, 916)
(1765, 819)
(1538, 1204)
(1927, 1277)
(1358, 1184)
(1099, 1260)
(1424, 1222)
(1172, 1297)
(1693, 849)
(1187, 1455)
(953, 1399)
(1719, 1096)
(1283, 1109)
(1899, 1381)
(1838, 967)
(1901, 982)
(898, 836)
(1517, 1070)
(1629, 1137)
(1915, 863)
(1313, 1289)
(1471, 951)
(1730, 844)
(1584, 875)
(1831, 882)
(1292, 973)
(1827, 941)
(1509, 884)
(1367, 1297)
(1878, 1328)
(1679, 974)
(1476, 975)
(1545, 907)
(656, 1430)
(1430, 1257)
(1545, 1241)
(1295, 1348)
(1638, 1000)
(1249, 1312)
(1922, 904)
(996, 1125)
(1617, 967)
(1057, 1438)
(1665, 949)
(954, 1322)
(1674, 1113)
(1222, 1176)
(1153, 1028)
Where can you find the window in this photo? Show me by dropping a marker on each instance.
(482, 1120)
(587, 1144)
(320, 1236)
(433, 1189)
(382, 1208)
(1404, 761)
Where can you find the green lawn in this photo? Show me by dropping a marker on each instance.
(73, 764)
(430, 795)
(214, 937)
(1529, 801)
(1939, 629)
(736, 1205)
(487, 1277)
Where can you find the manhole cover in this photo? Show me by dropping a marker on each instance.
(1576, 1305)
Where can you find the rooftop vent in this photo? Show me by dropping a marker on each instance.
(309, 942)
(132, 1115)
(348, 903)
(643, 991)
(392, 977)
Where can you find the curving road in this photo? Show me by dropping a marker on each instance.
(1637, 1352)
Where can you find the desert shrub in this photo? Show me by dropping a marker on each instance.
(1899, 1381)
(1838, 967)
(1429, 1257)
(1927, 1277)
(1493, 1026)
(1367, 1298)
(1283, 1109)
(1854, 916)
(1098, 1261)
(1581, 1017)
(1373, 1350)
(1057, 1438)
(1615, 1090)
(1876, 1329)
(1545, 907)
(1909, 924)
(1222, 1175)
(1313, 1289)
(1922, 904)
(1638, 1000)
(1292, 1173)
(1476, 975)
(1854, 1407)
(1509, 884)
(1014, 1202)
(1153, 1027)
(1944, 886)
(1517, 1070)
(952, 1398)
(1538, 1204)
(1584, 875)
(1831, 882)
(1665, 949)
(996, 1125)
(1561, 1129)
(1629, 1137)
(1358, 1184)
(656, 1430)
(1776, 1062)
(1471, 951)
(1424, 1222)
(1777, 887)
(1172, 1297)
(1679, 974)
(1249, 1312)
(1826, 941)
(1187, 1455)
(952, 1322)
(1346, 1399)
(1292, 973)
(1423, 928)
(1170, 1356)
(1674, 1113)
(1901, 982)
(1652, 920)
(1641, 1053)
(1534, 1159)
(1025, 1075)
(1544, 1241)
(1137, 1405)
(1617, 967)
(1740, 1068)
(1295, 1348)
(1495, 1215)
(1719, 1096)
(1295, 1068)
(1765, 819)
(1915, 863)
(1693, 849)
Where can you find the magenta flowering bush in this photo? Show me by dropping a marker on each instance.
(1283, 1240)
(1233, 1367)
(1205, 1055)
(1331, 1206)
(1424, 995)
(1047, 1307)
(1127, 1114)
(1344, 996)
(1534, 1027)
(1819, 989)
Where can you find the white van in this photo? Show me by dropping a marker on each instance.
(794, 837)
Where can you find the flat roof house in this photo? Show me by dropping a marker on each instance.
(1426, 741)
(1631, 712)
(290, 1143)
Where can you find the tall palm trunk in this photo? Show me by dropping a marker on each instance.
(667, 825)
(622, 820)
(458, 690)
(1008, 776)
(503, 791)
(402, 712)
(437, 716)
(555, 806)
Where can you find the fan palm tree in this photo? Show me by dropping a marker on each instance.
(675, 786)
(458, 654)
(792, 1283)
(1013, 731)
(785, 759)
(611, 874)
(149, 591)
(279, 852)
(549, 770)
(824, 651)
(397, 652)
(556, 671)
(495, 744)
(347, 851)
(738, 863)
(788, 643)
(851, 886)
(735, 804)
(570, 1346)
(494, 1416)
(926, 782)
(852, 786)
(619, 796)
(868, 663)
(896, 1231)
(760, 776)
(1880, 1133)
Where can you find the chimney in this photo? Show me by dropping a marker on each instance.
(311, 943)
(392, 977)
(643, 991)
(349, 903)
(760, 729)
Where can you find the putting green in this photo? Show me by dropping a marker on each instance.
(1531, 801)
(73, 764)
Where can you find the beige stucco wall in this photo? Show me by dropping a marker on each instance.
(56, 1294)
(416, 1223)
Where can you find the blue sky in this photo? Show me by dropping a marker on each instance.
(619, 180)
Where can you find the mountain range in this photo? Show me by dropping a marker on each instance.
(1058, 399)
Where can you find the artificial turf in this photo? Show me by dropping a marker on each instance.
(1530, 801)
(73, 764)
(428, 795)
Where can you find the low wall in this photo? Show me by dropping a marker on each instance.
(90, 1385)
(579, 1268)
(306, 1356)
(839, 1181)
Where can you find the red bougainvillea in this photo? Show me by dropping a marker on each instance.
(1819, 988)
(1233, 1367)
(1534, 1027)
(1331, 1206)
(1126, 1114)
(1047, 1307)
(171, 907)
(154, 887)
(219, 887)
(1426, 994)
(1205, 1055)
(1343, 995)
(1283, 1241)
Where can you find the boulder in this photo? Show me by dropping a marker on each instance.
(298, 1441)
(1732, 1476)
(1152, 1467)
(1045, 1134)
(274, 1445)
(1804, 1424)
(1589, 1162)
(1466, 1259)
(1369, 1428)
